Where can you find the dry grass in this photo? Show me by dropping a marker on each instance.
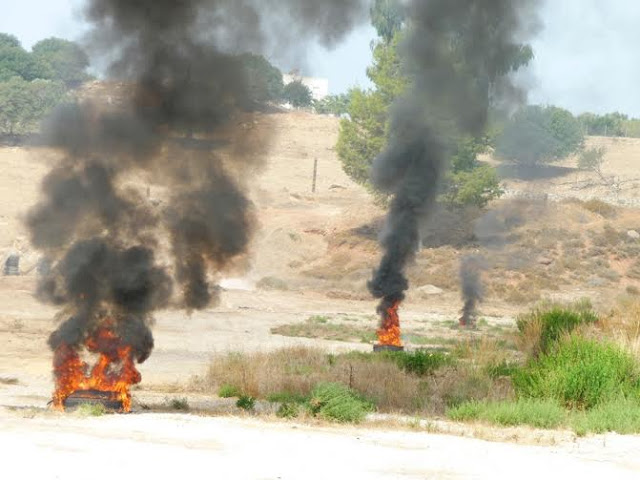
(351, 330)
(623, 325)
(294, 372)
(318, 327)
(8, 381)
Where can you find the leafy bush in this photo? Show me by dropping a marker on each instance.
(580, 373)
(23, 104)
(337, 402)
(539, 134)
(246, 402)
(544, 326)
(264, 81)
(421, 362)
(472, 187)
(288, 410)
(537, 413)
(228, 391)
(333, 104)
(592, 159)
(297, 94)
(179, 404)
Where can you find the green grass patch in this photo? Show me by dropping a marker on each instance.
(336, 402)
(228, 391)
(286, 397)
(580, 373)
(621, 416)
(536, 413)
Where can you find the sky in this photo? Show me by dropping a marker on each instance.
(586, 54)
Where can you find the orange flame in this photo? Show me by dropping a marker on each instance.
(114, 372)
(389, 334)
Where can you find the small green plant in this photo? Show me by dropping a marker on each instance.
(537, 413)
(334, 401)
(179, 404)
(228, 391)
(246, 402)
(288, 410)
(580, 373)
(286, 397)
(91, 410)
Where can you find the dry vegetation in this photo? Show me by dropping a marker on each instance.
(533, 249)
(476, 378)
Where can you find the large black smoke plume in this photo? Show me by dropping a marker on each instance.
(113, 250)
(456, 55)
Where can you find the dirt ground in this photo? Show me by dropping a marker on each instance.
(297, 228)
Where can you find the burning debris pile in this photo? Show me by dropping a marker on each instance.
(116, 257)
(456, 56)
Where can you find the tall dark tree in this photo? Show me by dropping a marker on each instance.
(297, 94)
(264, 80)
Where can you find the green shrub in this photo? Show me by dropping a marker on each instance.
(286, 397)
(337, 402)
(288, 410)
(246, 402)
(580, 373)
(537, 413)
(179, 404)
(228, 391)
(550, 322)
(421, 362)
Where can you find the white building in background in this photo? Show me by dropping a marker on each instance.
(319, 86)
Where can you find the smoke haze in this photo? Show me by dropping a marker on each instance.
(456, 54)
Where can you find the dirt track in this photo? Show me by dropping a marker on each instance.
(174, 446)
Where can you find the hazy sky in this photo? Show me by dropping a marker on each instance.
(586, 55)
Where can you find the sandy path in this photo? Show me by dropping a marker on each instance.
(172, 446)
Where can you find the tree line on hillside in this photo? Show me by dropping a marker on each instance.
(33, 82)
